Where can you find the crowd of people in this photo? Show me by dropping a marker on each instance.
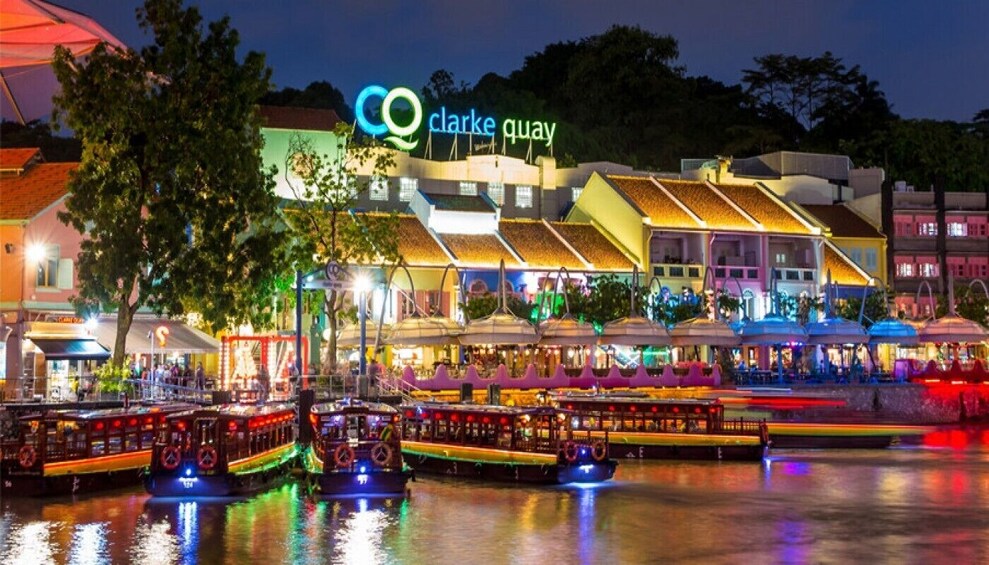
(171, 374)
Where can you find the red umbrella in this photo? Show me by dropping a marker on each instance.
(29, 32)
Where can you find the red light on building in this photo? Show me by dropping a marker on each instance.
(99, 425)
(132, 422)
(118, 423)
(232, 426)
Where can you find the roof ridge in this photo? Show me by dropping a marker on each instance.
(758, 225)
(814, 230)
(700, 223)
(566, 244)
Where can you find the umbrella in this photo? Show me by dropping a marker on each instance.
(836, 330)
(31, 29)
(773, 330)
(350, 335)
(502, 327)
(566, 331)
(416, 331)
(704, 331)
(892, 330)
(951, 328)
(634, 330)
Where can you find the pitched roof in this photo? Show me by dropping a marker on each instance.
(459, 203)
(538, 246)
(766, 210)
(593, 245)
(843, 221)
(305, 119)
(478, 250)
(416, 246)
(842, 269)
(652, 201)
(24, 196)
(708, 206)
(17, 158)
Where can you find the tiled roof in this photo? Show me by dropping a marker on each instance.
(459, 203)
(479, 250)
(17, 158)
(305, 119)
(763, 208)
(843, 221)
(538, 246)
(653, 202)
(594, 246)
(23, 196)
(842, 271)
(718, 214)
(416, 246)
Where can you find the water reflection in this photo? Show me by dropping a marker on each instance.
(919, 504)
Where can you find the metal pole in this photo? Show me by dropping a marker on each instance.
(298, 326)
(362, 313)
(152, 373)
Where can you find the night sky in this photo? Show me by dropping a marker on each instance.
(930, 58)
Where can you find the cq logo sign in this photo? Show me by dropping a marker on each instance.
(388, 125)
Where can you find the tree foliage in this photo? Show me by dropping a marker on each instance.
(170, 194)
(319, 94)
(322, 220)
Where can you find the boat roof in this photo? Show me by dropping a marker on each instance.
(100, 413)
(479, 408)
(352, 406)
(638, 400)
(235, 410)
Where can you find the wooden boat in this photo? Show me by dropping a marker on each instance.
(61, 452)
(356, 450)
(652, 428)
(227, 450)
(530, 444)
(840, 435)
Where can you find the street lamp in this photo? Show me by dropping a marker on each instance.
(362, 284)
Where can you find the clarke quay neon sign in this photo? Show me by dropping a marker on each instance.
(472, 123)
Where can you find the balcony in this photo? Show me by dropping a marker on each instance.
(740, 273)
(676, 270)
(794, 274)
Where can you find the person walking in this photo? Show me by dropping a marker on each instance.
(264, 382)
(200, 377)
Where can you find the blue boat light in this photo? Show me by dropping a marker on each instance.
(583, 451)
(188, 472)
(362, 479)
(586, 468)
(363, 469)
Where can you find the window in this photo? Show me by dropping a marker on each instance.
(576, 192)
(957, 229)
(871, 259)
(407, 186)
(496, 191)
(856, 254)
(379, 189)
(927, 229)
(905, 270)
(523, 196)
(468, 189)
(48, 267)
(927, 269)
(780, 258)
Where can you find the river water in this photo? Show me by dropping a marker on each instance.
(926, 503)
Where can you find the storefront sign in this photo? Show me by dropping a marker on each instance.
(443, 121)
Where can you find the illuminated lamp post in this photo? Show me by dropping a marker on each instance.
(362, 284)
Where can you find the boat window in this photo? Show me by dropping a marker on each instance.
(130, 441)
(115, 444)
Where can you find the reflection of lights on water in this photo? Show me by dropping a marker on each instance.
(359, 540)
(29, 544)
(154, 544)
(188, 526)
(89, 544)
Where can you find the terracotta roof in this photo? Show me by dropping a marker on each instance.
(763, 208)
(306, 119)
(17, 158)
(538, 246)
(594, 246)
(459, 203)
(718, 214)
(416, 246)
(23, 196)
(842, 269)
(654, 203)
(842, 220)
(479, 250)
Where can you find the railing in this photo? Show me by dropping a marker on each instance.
(148, 390)
(676, 270)
(740, 273)
(741, 426)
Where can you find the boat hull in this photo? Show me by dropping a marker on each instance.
(378, 483)
(503, 466)
(787, 441)
(226, 484)
(813, 435)
(15, 484)
(688, 452)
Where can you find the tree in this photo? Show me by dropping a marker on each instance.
(326, 187)
(39, 134)
(170, 193)
(319, 94)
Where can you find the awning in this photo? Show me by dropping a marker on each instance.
(180, 338)
(71, 349)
